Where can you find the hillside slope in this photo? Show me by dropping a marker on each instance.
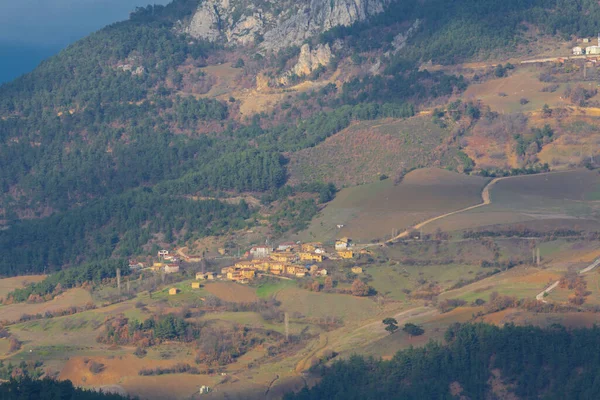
(129, 138)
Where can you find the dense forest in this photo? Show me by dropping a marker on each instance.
(49, 389)
(531, 362)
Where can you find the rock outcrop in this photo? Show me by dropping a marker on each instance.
(276, 23)
(308, 61)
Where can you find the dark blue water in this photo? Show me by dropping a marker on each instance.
(16, 60)
(33, 30)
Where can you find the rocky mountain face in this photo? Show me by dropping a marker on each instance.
(276, 24)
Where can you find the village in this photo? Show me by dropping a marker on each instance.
(288, 260)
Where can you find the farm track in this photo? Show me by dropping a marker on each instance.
(540, 296)
(486, 200)
(305, 363)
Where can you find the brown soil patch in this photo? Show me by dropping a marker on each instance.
(71, 298)
(116, 369)
(7, 285)
(232, 292)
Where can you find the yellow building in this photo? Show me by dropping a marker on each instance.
(248, 273)
(226, 270)
(357, 270)
(295, 269)
(311, 257)
(157, 266)
(195, 285)
(173, 291)
(310, 247)
(346, 253)
(283, 257)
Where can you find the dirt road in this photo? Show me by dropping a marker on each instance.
(485, 197)
(376, 327)
(540, 296)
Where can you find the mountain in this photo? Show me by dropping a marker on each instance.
(181, 122)
(276, 25)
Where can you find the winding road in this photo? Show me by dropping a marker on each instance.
(486, 200)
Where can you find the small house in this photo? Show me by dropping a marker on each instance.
(163, 253)
(260, 251)
(171, 268)
(577, 51)
(311, 257)
(248, 273)
(357, 270)
(210, 276)
(346, 254)
(343, 243)
(287, 246)
(592, 50)
(200, 276)
(173, 291)
(586, 40)
(221, 251)
(195, 285)
(283, 257)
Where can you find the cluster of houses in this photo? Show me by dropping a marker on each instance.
(290, 258)
(591, 50)
(167, 263)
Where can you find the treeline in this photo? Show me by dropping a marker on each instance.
(28, 388)
(523, 233)
(90, 272)
(114, 225)
(552, 363)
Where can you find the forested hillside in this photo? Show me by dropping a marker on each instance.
(102, 149)
(27, 388)
(480, 361)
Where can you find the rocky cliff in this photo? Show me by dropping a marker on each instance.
(276, 23)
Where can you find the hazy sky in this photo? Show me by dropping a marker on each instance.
(31, 30)
(59, 22)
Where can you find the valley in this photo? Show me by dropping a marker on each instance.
(234, 200)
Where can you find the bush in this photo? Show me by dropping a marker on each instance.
(96, 367)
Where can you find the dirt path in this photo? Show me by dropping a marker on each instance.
(324, 342)
(540, 296)
(485, 197)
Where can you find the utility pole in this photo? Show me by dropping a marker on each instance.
(119, 279)
(287, 326)
(538, 257)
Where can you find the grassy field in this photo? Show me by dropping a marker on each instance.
(319, 305)
(72, 297)
(7, 285)
(232, 292)
(268, 289)
(391, 281)
(374, 210)
(366, 150)
(562, 196)
(523, 83)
